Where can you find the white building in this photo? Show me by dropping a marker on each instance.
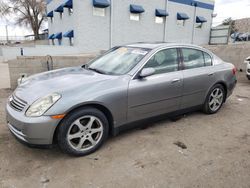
(93, 25)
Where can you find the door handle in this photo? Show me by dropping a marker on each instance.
(176, 80)
(211, 74)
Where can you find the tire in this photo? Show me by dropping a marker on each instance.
(248, 77)
(82, 132)
(214, 102)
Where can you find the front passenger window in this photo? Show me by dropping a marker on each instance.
(164, 61)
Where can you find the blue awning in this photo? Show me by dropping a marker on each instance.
(200, 19)
(69, 34)
(50, 14)
(58, 35)
(182, 16)
(51, 36)
(161, 13)
(68, 4)
(136, 9)
(59, 9)
(101, 3)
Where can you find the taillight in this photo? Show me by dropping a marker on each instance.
(234, 71)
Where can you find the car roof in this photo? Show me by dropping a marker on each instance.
(156, 45)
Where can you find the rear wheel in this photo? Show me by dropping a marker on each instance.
(214, 99)
(83, 132)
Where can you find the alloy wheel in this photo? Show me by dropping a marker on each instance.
(216, 99)
(85, 133)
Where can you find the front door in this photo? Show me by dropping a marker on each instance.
(159, 93)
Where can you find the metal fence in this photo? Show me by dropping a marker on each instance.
(220, 35)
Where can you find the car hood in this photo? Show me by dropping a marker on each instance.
(60, 81)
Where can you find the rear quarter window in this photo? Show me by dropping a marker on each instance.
(207, 59)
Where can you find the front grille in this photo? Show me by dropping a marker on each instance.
(17, 103)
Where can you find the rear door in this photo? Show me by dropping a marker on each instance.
(198, 76)
(159, 93)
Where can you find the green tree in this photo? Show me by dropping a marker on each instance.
(29, 13)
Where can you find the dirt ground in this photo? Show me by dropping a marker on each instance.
(217, 154)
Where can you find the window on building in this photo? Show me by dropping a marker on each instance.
(70, 11)
(181, 18)
(135, 11)
(198, 25)
(200, 21)
(159, 20)
(164, 61)
(98, 11)
(59, 42)
(192, 58)
(208, 59)
(71, 41)
(69, 5)
(160, 15)
(134, 17)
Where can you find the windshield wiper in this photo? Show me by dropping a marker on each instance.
(96, 70)
(86, 66)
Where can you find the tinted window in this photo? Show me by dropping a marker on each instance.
(192, 58)
(207, 58)
(164, 61)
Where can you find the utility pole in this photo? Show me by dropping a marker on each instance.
(7, 34)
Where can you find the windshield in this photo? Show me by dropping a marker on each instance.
(118, 61)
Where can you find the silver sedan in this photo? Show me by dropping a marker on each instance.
(78, 107)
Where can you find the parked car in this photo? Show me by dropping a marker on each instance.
(247, 61)
(78, 107)
(240, 36)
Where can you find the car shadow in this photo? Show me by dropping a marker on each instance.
(53, 152)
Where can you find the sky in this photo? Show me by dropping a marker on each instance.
(223, 8)
(231, 8)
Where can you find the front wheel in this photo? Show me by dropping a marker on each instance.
(83, 132)
(214, 100)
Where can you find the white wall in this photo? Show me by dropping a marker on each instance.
(9, 53)
(92, 33)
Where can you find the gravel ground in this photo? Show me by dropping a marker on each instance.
(217, 154)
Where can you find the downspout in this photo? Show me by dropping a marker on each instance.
(111, 24)
(165, 24)
(194, 21)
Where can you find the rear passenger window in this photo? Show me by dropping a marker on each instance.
(192, 58)
(207, 58)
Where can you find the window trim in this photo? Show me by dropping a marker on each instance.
(182, 58)
(137, 74)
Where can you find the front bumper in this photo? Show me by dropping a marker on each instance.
(32, 130)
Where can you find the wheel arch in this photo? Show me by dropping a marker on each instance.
(224, 85)
(98, 106)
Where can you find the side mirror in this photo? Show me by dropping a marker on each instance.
(147, 72)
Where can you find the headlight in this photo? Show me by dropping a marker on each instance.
(40, 106)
